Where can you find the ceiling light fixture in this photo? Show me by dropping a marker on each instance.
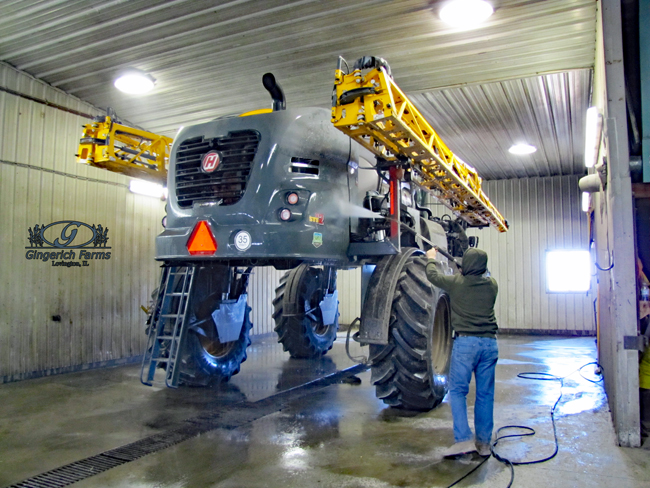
(134, 82)
(465, 14)
(520, 149)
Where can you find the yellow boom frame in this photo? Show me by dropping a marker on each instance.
(127, 150)
(371, 109)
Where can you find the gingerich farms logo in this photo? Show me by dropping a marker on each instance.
(68, 243)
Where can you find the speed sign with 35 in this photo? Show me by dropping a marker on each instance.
(243, 240)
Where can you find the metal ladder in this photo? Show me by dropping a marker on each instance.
(167, 327)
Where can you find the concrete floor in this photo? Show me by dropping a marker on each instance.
(338, 436)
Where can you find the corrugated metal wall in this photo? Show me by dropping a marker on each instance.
(544, 214)
(99, 305)
(349, 286)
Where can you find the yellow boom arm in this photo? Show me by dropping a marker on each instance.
(372, 110)
(127, 150)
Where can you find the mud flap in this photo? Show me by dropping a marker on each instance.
(229, 319)
(329, 307)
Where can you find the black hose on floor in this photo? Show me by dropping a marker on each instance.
(529, 431)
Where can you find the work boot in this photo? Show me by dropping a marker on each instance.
(460, 449)
(483, 449)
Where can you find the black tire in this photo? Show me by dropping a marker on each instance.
(412, 371)
(205, 360)
(303, 333)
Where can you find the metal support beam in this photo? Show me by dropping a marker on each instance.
(395, 202)
(619, 283)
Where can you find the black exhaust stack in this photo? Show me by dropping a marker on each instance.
(272, 86)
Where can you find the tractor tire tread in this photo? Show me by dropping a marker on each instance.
(400, 371)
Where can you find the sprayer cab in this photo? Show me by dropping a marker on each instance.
(268, 187)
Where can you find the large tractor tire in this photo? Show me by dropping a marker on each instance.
(411, 372)
(204, 359)
(207, 360)
(297, 312)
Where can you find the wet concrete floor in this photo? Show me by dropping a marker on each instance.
(338, 436)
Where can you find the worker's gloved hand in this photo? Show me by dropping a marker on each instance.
(431, 253)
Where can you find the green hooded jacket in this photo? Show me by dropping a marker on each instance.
(472, 294)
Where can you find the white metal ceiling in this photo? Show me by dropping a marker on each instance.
(209, 56)
(481, 122)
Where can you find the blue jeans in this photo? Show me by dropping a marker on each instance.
(478, 355)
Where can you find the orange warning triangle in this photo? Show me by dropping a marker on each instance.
(202, 242)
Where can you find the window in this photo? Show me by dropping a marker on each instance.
(568, 271)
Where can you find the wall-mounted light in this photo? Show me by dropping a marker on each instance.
(586, 201)
(148, 189)
(134, 81)
(593, 131)
(465, 14)
(521, 149)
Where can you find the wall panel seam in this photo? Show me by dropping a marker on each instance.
(61, 173)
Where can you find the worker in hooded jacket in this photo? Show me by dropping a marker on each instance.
(472, 295)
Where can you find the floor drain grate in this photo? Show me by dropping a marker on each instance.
(85, 468)
(79, 470)
(151, 444)
(70, 473)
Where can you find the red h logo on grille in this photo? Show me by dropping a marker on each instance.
(210, 161)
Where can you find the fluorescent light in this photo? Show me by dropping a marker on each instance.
(592, 137)
(148, 189)
(135, 82)
(520, 149)
(568, 271)
(465, 14)
(585, 201)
